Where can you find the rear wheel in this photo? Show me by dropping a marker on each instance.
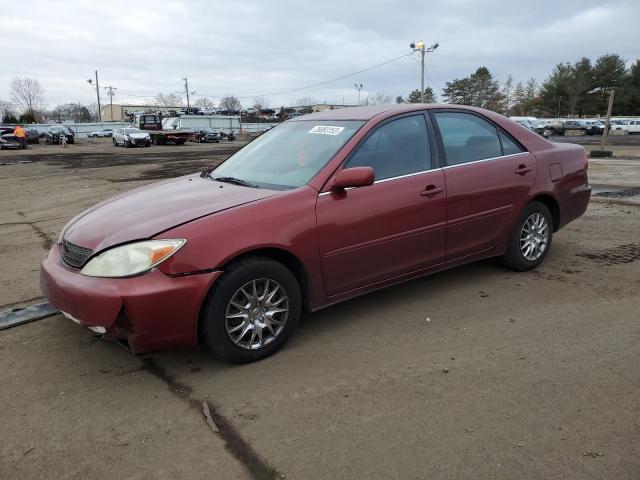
(252, 310)
(530, 238)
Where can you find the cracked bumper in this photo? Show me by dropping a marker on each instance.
(150, 312)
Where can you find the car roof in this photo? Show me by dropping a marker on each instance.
(385, 110)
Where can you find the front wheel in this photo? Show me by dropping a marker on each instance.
(530, 238)
(252, 310)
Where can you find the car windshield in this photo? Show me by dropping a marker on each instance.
(289, 155)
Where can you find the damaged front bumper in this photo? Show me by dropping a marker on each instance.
(149, 312)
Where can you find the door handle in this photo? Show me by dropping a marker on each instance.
(523, 170)
(431, 191)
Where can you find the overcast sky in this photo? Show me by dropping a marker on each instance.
(249, 48)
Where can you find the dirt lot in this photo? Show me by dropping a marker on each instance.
(477, 372)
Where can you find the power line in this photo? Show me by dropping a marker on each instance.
(325, 82)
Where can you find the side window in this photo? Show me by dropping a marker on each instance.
(509, 147)
(397, 148)
(467, 137)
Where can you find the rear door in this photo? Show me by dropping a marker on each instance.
(488, 176)
(397, 225)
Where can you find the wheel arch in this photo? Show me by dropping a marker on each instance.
(285, 257)
(552, 204)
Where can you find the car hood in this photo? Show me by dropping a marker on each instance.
(138, 135)
(147, 211)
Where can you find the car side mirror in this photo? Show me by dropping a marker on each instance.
(352, 178)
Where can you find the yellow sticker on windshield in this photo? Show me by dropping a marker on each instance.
(326, 130)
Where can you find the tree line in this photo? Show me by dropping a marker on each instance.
(571, 90)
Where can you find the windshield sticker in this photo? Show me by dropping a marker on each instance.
(326, 130)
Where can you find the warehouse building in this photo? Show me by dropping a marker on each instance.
(119, 112)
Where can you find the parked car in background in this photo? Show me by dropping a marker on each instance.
(33, 137)
(206, 135)
(634, 127)
(317, 210)
(131, 137)
(52, 135)
(536, 127)
(8, 139)
(619, 124)
(575, 125)
(594, 127)
(102, 133)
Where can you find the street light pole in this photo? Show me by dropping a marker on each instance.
(419, 46)
(98, 94)
(90, 81)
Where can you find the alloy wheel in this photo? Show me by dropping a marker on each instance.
(257, 313)
(534, 236)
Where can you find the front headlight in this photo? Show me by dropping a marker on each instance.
(131, 259)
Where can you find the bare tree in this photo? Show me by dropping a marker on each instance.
(507, 93)
(6, 109)
(27, 93)
(305, 101)
(204, 104)
(377, 99)
(261, 103)
(93, 111)
(230, 102)
(168, 100)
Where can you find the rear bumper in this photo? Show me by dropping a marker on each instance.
(574, 203)
(149, 312)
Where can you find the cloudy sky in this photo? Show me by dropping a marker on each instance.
(251, 47)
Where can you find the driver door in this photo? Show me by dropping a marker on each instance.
(395, 226)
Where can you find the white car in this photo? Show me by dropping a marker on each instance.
(630, 125)
(130, 137)
(634, 127)
(104, 132)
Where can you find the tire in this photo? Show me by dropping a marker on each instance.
(127, 144)
(115, 144)
(154, 139)
(147, 144)
(242, 275)
(538, 247)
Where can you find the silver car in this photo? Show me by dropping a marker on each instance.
(130, 137)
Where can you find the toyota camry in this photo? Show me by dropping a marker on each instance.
(317, 210)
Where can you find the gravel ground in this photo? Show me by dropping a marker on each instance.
(478, 372)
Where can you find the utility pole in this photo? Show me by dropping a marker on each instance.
(111, 94)
(419, 46)
(358, 87)
(612, 93)
(186, 89)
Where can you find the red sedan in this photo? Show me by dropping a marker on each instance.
(318, 210)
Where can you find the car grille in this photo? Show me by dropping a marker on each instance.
(74, 255)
